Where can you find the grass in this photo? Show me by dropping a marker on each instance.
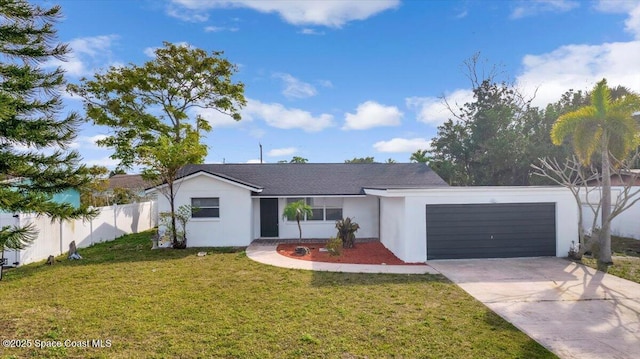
(626, 259)
(172, 303)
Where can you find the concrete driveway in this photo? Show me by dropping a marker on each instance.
(571, 309)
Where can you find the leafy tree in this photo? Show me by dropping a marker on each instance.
(390, 160)
(297, 210)
(151, 110)
(420, 156)
(30, 104)
(605, 127)
(484, 145)
(495, 139)
(93, 193)
(297, 159)
(361, 160)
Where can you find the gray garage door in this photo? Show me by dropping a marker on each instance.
(491, 230)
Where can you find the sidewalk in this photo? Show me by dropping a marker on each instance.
(267, 254)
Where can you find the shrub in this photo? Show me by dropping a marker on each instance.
(347, 231)
(334, 246)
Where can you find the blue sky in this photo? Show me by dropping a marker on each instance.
(333, 80)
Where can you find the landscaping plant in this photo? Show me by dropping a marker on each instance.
(347, 231)
(182, 217)
(297, 210)
(334, 246)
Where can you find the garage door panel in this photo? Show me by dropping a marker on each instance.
(506, 242)
(490, 230)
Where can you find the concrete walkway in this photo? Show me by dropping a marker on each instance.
(267, 254)
(573, 310)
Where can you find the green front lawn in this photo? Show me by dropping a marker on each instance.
(172, 303)
(626, 259)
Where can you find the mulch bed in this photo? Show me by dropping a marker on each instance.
(363, 253)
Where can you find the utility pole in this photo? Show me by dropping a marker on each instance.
(260, 144)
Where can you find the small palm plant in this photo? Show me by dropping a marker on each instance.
(297, 210)
(347, 231)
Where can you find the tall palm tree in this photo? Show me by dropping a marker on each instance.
(297, 210)
(606, 127)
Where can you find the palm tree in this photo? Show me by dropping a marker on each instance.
(420, 156)
(297, 210)
(606, 126)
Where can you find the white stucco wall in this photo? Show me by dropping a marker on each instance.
(627, 224)
(363, 210)
(411, 246)
(236, 212)
(393, 225)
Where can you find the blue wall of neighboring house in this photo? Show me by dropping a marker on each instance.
(71, 196)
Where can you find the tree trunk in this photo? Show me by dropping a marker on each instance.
(299, 227)
(174, 230)
(604, 256)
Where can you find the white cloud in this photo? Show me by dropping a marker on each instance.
(186, 14)
(294, 88)
(257, 132)
(579, 67)
(533, 8)
(372, 114)
(280, 152)
(462, 14)
(217, 119)
(104, 161)
(253, 161)
(549, 75)
(278, 116)
(632, 8)
(87, 56)
(87, 142)
(324, 13)
(220, 29)
(307, 31)
(433, 110)
(325, 83)
(396, 145)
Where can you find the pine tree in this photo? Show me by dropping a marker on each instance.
(35, 159)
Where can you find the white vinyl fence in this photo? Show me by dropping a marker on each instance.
(54, 237)
(627, 224)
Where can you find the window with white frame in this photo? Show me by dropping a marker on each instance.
(205, 207)
(322, 208)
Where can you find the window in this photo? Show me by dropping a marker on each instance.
(334, 214)
(207, 207)
(323, 208)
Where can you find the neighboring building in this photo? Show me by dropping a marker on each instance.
(407, 206)
(132, 186)
(70, 195)
(623, 178)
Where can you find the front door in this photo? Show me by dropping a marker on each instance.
(269, 217)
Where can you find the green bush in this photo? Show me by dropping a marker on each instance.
(334, 246)
(347, 231)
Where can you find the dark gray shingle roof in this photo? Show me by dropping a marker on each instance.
(133, 181)
(297, 179)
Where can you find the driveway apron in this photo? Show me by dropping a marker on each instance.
(572, 310)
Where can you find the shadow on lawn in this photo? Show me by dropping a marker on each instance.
(128, 248)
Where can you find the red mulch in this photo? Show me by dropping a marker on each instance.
(363, 253)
